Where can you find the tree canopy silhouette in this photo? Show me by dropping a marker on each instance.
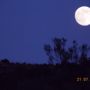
(74, 54)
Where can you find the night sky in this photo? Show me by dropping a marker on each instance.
(26, 25)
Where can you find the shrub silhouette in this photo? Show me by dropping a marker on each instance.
(59, 49)
(5, 61)
(75, 54)
(84, 53)
(48, 50)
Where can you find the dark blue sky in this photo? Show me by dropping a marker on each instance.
(26, 25)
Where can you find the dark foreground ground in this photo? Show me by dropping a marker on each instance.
(44, 77)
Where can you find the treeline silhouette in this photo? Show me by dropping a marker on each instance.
(68, 68)
(60, 52)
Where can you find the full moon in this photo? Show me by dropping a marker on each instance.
(82, 15)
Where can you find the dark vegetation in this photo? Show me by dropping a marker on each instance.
(68, 69)
(61, 54)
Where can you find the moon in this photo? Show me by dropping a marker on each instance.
(82, 16)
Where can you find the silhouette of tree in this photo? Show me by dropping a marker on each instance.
(84, 52)
(73, 52)
(59, 51)
(48, 51)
